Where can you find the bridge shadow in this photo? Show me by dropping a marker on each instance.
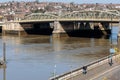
(39, 32)
(76, 33)
(85, 32)
(89, 33)
(39, 29)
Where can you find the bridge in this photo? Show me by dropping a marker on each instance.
(91, 16)
(65, 23)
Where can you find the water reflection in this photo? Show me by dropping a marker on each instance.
(27, 39)
(3, 71)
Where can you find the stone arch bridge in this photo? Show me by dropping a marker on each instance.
(65, 23)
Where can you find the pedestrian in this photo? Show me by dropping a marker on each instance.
(84, 69)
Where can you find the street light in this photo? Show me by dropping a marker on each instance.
(54, 71)
(111, 47)
(118, 36)
(71, 72)
(4, 73)
(112, 51)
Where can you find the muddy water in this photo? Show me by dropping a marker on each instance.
(37, 57)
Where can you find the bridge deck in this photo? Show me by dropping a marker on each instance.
(70, 20)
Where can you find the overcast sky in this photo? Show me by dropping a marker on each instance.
(75, 1)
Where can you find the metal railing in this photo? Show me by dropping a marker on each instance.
(63, 76)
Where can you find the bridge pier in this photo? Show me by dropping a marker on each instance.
(87, 25)
(13, 28)
(58, 30)
(65, 29)
(82, 25)
(103, 27)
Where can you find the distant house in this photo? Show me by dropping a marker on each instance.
(1, 17)
(117, 6)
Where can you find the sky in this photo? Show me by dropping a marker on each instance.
(75, 1)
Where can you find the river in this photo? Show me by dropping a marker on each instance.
(37, 57)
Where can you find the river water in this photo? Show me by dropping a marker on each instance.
(37, 57)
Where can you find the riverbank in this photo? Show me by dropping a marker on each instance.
(93, 69)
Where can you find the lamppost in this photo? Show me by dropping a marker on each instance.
(110, 56)
(54, 71)
(118, 36)
(71, 72)
(111, 47)
(4, 73)
(112, 50)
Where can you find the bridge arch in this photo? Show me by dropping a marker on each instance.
(39, 16)
(94, 14)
